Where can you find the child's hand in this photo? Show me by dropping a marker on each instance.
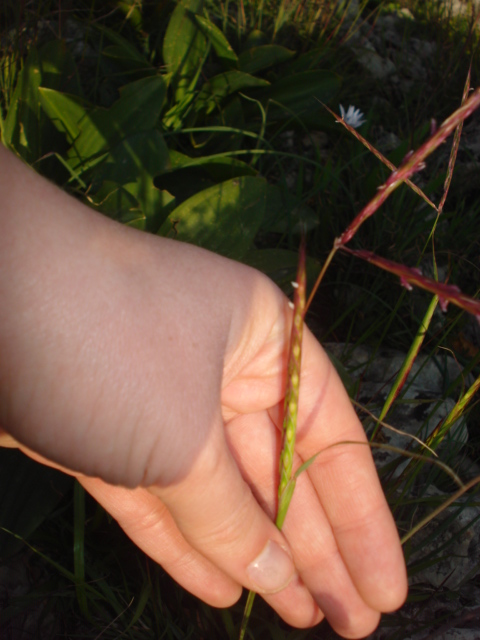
(134, 361)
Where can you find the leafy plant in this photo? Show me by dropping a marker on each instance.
(201, 121)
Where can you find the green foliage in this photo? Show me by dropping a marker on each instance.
(115, 153)
(174, 118)
(223, 218)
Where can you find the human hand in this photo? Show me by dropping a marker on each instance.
(154, 372)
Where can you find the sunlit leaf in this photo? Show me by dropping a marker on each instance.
(220, 168)
(65, 111)
(219, 42)
(184, 45)
(224, 218)
(93, 132)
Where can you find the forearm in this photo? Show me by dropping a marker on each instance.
(75, 286)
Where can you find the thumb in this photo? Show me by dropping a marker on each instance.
(217, 513)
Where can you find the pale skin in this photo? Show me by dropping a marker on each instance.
(154, 371)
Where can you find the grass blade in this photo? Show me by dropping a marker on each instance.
(458, 410)
(407, 363)
(79, 547)
(246, 614)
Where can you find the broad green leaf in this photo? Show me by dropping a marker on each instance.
(127, 62)
(129, 170)
(143, 153)
(219, 42)
(218, 87)
(137, 109)
(184, 45)
(224, 218)
(95, 132)
(28, 494)
(65, 111)
(258, 58)
(137, 204)
(301, 95)
(156, 204)
(219, 168)
(255, 38)
(123, 45)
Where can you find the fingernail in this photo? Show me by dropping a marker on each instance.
(272, 570)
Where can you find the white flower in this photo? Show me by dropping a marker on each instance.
(353, 117)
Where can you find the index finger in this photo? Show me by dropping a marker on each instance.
(347, 484)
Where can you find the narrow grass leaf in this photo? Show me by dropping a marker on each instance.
(406, 367)
(383, 447)
(453, 498)
(79, 547)
(458, 410)
(56, 565)
(141, 604)
(394, 429)
(246, 614)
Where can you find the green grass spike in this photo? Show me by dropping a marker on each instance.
(285, 488)
(287, 480)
